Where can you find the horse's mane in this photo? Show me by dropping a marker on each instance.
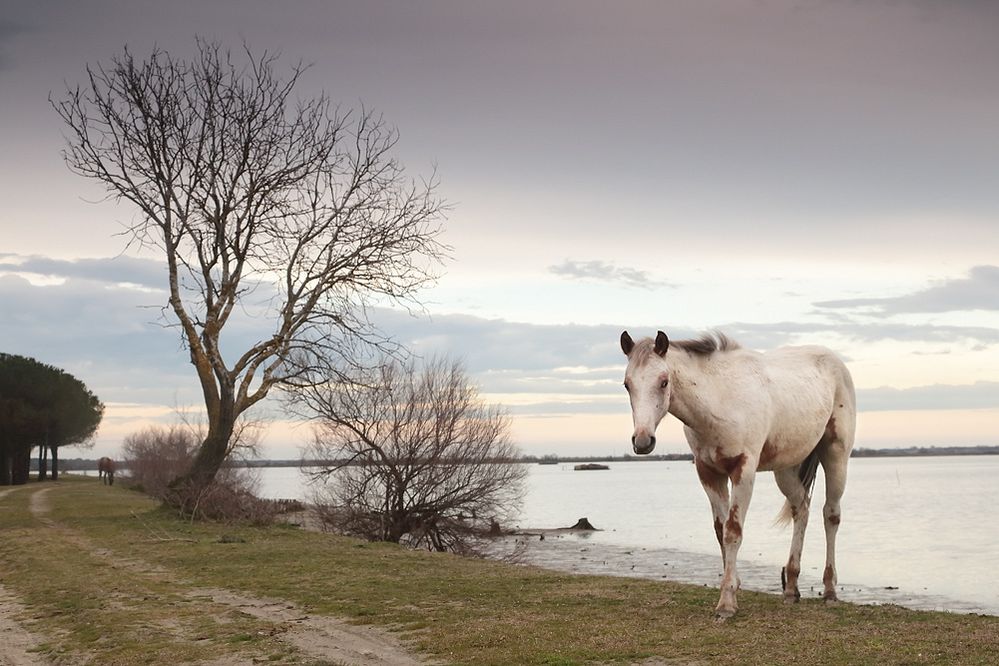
(706, 345)
(709, 343)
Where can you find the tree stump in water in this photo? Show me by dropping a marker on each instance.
(583, 524)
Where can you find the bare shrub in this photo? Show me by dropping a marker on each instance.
(413, 455)
(156, 455)
(230, 498)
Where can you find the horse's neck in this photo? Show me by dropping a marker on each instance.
(693, 388)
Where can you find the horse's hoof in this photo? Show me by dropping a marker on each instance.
(830, 598)
(792, 598)
(722, 614)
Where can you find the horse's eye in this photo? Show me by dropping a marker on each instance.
(664, 384)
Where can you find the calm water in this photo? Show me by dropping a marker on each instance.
(921, 525)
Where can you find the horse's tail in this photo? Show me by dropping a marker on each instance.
(806, 474)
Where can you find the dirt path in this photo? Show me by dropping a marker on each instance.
(15, 639)
(320, 637)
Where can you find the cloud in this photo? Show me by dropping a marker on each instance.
(980, 395)
(114, 270)
(775, 334)
(501, 345)
(603, 271)
(104, 336)
(978, 291)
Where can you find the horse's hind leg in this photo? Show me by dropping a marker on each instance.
(835, 472)
(834, 458)
(797, 497)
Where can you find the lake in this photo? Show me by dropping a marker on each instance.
(919, 532)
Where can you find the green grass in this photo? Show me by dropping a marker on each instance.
(453, 609)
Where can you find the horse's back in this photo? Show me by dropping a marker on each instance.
(810, 391)
(795, 367)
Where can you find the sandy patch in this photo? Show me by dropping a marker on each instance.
(15, 639)
(319, 636)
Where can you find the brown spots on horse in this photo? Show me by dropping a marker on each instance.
(827, 576)
(718, 531)
(793, 571)
(733, 530)
(768, 453)
(731, 465)
(710, 478)
(833, 519)
(830, 433)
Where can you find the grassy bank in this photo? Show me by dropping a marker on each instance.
(106, 574)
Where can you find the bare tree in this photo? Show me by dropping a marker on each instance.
(261, 202)
(413, 454)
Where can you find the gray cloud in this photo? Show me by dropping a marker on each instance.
(769, 335)
(114, 270)
(603, 271)
(496, 344)
(117, 340)
(980, 395)
(600, 381)
(978, 291)
(103, 336)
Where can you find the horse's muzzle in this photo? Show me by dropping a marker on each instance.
(643, 444)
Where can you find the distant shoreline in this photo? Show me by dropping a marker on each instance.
(84, 464)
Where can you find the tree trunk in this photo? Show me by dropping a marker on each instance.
(42, 462)
(186, 489)
(55, 463)
(21, 467)
(5, 461)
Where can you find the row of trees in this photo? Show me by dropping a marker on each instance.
(43, 406)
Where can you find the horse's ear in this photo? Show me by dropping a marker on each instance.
(662, 344)
(627, 344)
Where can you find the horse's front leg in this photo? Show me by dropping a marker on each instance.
(742, 477)
(716, 488)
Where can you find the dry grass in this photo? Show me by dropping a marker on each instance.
(456, 609)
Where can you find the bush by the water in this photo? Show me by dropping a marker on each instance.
(156, 456)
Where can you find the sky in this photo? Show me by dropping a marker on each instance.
(786, 172)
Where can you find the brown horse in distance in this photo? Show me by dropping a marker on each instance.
(105, 470)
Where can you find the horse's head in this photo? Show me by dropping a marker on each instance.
(647, 379)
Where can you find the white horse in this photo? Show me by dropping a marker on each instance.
(785, 411)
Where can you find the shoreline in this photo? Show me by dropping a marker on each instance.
(572, 551)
